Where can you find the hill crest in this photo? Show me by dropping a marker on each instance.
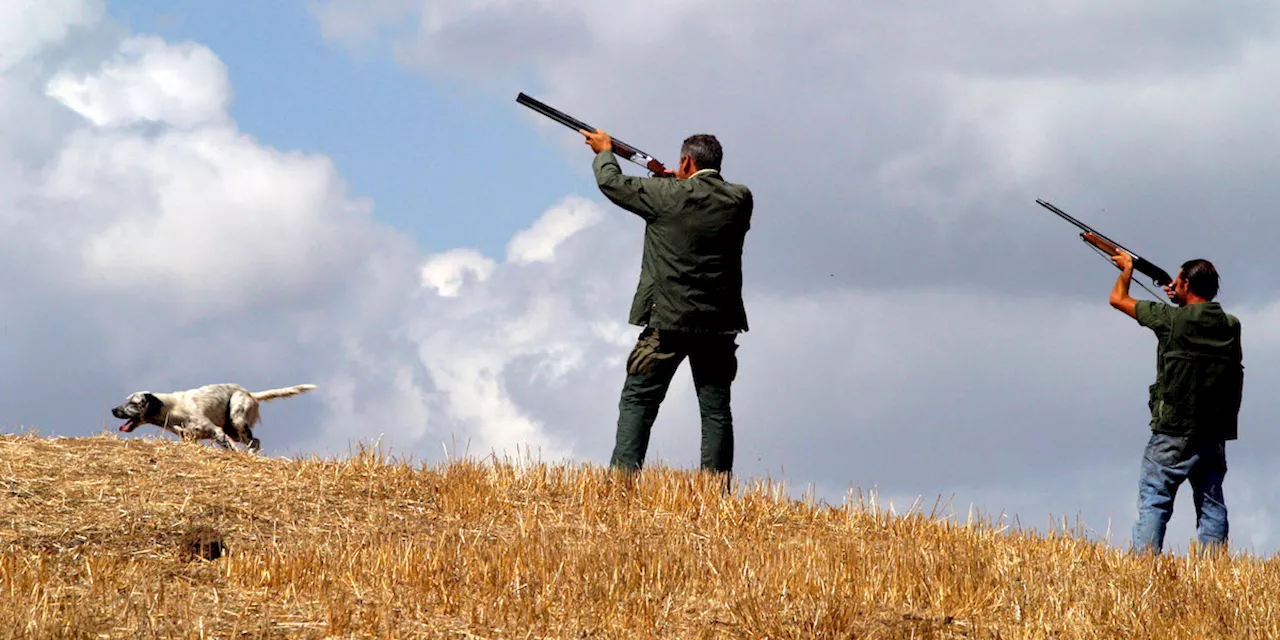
(94, 531)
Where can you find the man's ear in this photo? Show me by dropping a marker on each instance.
(686, 165)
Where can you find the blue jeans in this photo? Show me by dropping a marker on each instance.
(1167, 462)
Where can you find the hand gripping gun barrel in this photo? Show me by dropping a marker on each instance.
(620, 148)
(1108, 247)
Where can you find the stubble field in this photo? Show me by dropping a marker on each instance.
(96, 542)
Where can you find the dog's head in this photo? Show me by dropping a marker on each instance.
(138, 409)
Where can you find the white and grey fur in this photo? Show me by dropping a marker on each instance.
(224, 413)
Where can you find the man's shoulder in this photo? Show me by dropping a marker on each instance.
(1229, 317)
(1211, 313)
(1208, 310)
(734, 186)
(716, 182)
(1150, 313)
(1202, 319)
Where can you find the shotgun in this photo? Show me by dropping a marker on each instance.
(620, 148)
(1109, 247)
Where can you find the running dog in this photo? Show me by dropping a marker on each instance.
(224, 413)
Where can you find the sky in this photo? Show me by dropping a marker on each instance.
(346, 194)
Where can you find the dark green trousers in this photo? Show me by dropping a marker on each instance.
(714, 362)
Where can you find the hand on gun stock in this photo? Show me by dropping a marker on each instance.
(1123, 260)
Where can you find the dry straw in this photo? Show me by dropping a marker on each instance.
(96, 543)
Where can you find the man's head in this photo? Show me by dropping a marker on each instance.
(701, 151)
(1197, 282)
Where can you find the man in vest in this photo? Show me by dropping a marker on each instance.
(689, 298)
(1194, 401)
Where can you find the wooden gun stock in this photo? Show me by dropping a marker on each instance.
(1101, 243)
(1157, 275)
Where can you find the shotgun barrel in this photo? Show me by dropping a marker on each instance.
(628, 152)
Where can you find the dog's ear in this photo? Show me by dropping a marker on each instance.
(150, 404)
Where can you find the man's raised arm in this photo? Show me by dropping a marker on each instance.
(635, 194)
(1120, 297)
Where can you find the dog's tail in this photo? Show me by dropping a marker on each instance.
(272, 394)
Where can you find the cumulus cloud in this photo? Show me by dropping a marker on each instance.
(538, 243)
(149, 80)
(486, 346)
(192, 215)
(28, 27)
(445, 272)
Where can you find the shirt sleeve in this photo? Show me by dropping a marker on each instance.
(641, 196)
(1154, 315)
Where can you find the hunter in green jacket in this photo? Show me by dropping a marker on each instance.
(689, 298)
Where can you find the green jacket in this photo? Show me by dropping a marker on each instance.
(691, 269)
(1199, 369)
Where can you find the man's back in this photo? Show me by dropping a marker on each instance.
(1199, 369)
(691, 271)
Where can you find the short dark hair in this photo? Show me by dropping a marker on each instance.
(704, 149)
(1201, 277)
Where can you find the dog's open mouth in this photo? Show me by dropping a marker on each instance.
(130, 426)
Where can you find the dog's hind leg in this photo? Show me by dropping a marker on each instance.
(242, 414)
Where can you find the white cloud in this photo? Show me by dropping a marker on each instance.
(206, 219)
(538, 243)
(27, 27)
(181, 85)
(481, 342)
(445, 272)
(191, 214)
